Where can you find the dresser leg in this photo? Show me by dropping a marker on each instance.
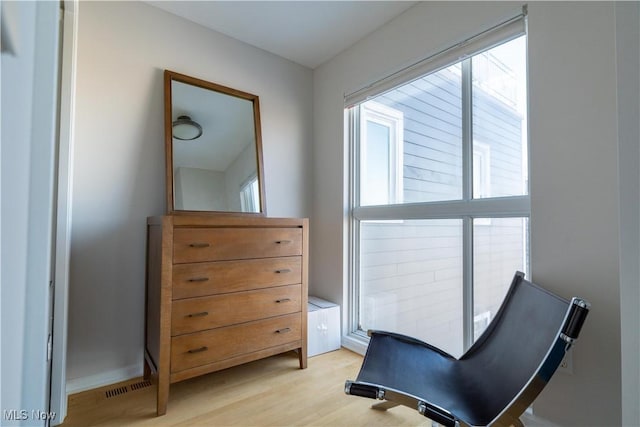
(163, 394)
(302, 357)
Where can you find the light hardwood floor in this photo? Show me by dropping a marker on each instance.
(268, 392)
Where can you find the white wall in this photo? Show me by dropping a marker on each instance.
(199, 190)
(628, 66)
(123, 48)
(574, 196)
(17, 101)
(574, 171)
(28, 154)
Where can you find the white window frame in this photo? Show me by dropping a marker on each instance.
(467, 209)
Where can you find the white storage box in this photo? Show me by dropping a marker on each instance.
(323, 328)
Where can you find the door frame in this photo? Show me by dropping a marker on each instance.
(68, 58)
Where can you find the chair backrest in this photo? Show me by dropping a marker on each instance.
(518, 348)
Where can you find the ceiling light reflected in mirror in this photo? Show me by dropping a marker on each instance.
(186, 129)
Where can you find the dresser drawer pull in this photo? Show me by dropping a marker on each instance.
(284, 270)
(283, 330)
(283, 300)
(283, 242)
(201, 314)
(199, 245)
(198, 279)
(198, 350)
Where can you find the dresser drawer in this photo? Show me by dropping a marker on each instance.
(216, 244)
(200, 348)
(210, 278)
(197, 314)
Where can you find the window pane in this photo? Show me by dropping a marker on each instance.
(499, 120)
(500, 248)
(429, 111)
(250, 196)
(411, 280)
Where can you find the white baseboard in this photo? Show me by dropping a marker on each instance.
(355, 345)
(102, 379)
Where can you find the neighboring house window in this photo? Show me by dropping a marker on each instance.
(481, 175)
(481, 170)
(439, 200)
(380, 154)
(480, 323)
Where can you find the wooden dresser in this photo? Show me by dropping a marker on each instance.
(222, 291)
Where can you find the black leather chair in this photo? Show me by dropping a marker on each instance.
(495, 381)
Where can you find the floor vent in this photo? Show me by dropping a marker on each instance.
(141, 384)
(116, 391)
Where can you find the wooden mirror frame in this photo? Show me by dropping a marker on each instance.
(170, 76)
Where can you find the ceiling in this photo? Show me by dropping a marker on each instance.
(306, 32)
(227, 127)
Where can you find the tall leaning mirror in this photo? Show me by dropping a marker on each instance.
(213, 148)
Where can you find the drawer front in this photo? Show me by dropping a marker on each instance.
(200, 348)
(197, 314)
(210, 278)
(217, 244)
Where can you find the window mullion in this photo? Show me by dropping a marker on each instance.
(467, 195)
(467, 135)
(467, 282)
(494, 207)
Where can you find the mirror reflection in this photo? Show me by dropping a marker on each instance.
(215, 149)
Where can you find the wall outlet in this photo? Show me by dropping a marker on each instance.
(566, 365)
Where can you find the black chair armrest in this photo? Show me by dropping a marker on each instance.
(362, 390)
(575, 319)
